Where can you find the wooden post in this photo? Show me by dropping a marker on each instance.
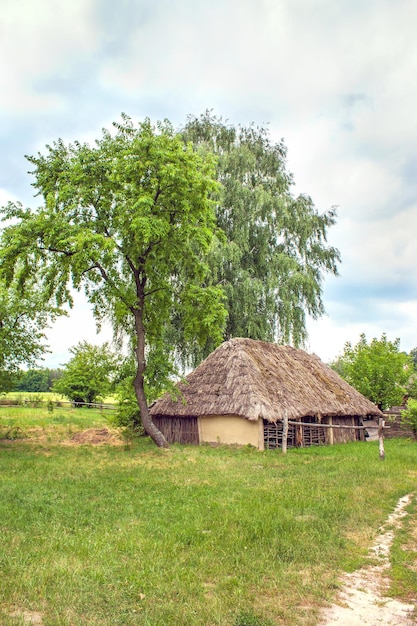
(299, 435)
(284, 432)
(331, 435)
(381, 423)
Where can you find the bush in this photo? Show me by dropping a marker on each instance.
(409, 416)
(87, 377)
(127, 415)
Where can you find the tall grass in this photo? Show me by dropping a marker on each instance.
(193, 535)
(404, 557)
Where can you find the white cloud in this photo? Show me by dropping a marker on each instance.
(37, 39)
(67, 332)
(335, 79)
(327, 338)
(6, 196)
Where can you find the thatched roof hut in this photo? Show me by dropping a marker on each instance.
(260, 382)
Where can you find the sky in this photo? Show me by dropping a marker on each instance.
(336, 79)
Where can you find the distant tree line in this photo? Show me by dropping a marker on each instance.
(37, 380)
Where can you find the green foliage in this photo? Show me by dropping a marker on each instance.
(412, 383)
(37, 379)
(413, 356)
(8, 380)
(412, 387)
(24, 314)
(378, 370)
(272, 263)
(127, 414)
(88, 376)
(128, 221)
(159, 377)
(409, 416)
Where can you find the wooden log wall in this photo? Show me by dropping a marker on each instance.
(178, 429)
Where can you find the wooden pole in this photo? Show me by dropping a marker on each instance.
(381, 423)
(337, 426)
(284, 432)
(299, 435)
(331, 435)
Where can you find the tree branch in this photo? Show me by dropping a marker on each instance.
(64, 252)
(108, 280)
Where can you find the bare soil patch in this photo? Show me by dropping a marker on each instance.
(96, 436)
(28, 617)
(362, 600)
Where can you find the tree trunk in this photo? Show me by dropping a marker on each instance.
(138, 385)
(147, 422)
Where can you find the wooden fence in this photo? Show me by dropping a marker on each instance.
(287, 422)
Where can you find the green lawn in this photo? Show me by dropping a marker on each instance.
(109, 535)
(37, 424)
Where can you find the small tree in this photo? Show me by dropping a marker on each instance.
(127, 221)
(409, 415)
(88, 376)
(378, 370)
(24, 314)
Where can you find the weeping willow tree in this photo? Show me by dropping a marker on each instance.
(274, 256)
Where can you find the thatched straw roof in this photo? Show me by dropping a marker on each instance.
(255, 379)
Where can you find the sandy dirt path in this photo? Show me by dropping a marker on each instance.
(361, 601)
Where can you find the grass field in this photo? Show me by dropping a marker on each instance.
(37, 423)
(130, 534)
(30, 398)
(22, 397)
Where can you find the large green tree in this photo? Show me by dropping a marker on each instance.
(275, 256)
(378, 370)
(89, 374)
(126, 220)
(24, 315)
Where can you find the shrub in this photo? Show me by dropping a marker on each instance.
(409, 416)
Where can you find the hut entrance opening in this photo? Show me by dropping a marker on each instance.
(178, 429)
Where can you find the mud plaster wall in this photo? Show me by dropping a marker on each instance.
(231, 429)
